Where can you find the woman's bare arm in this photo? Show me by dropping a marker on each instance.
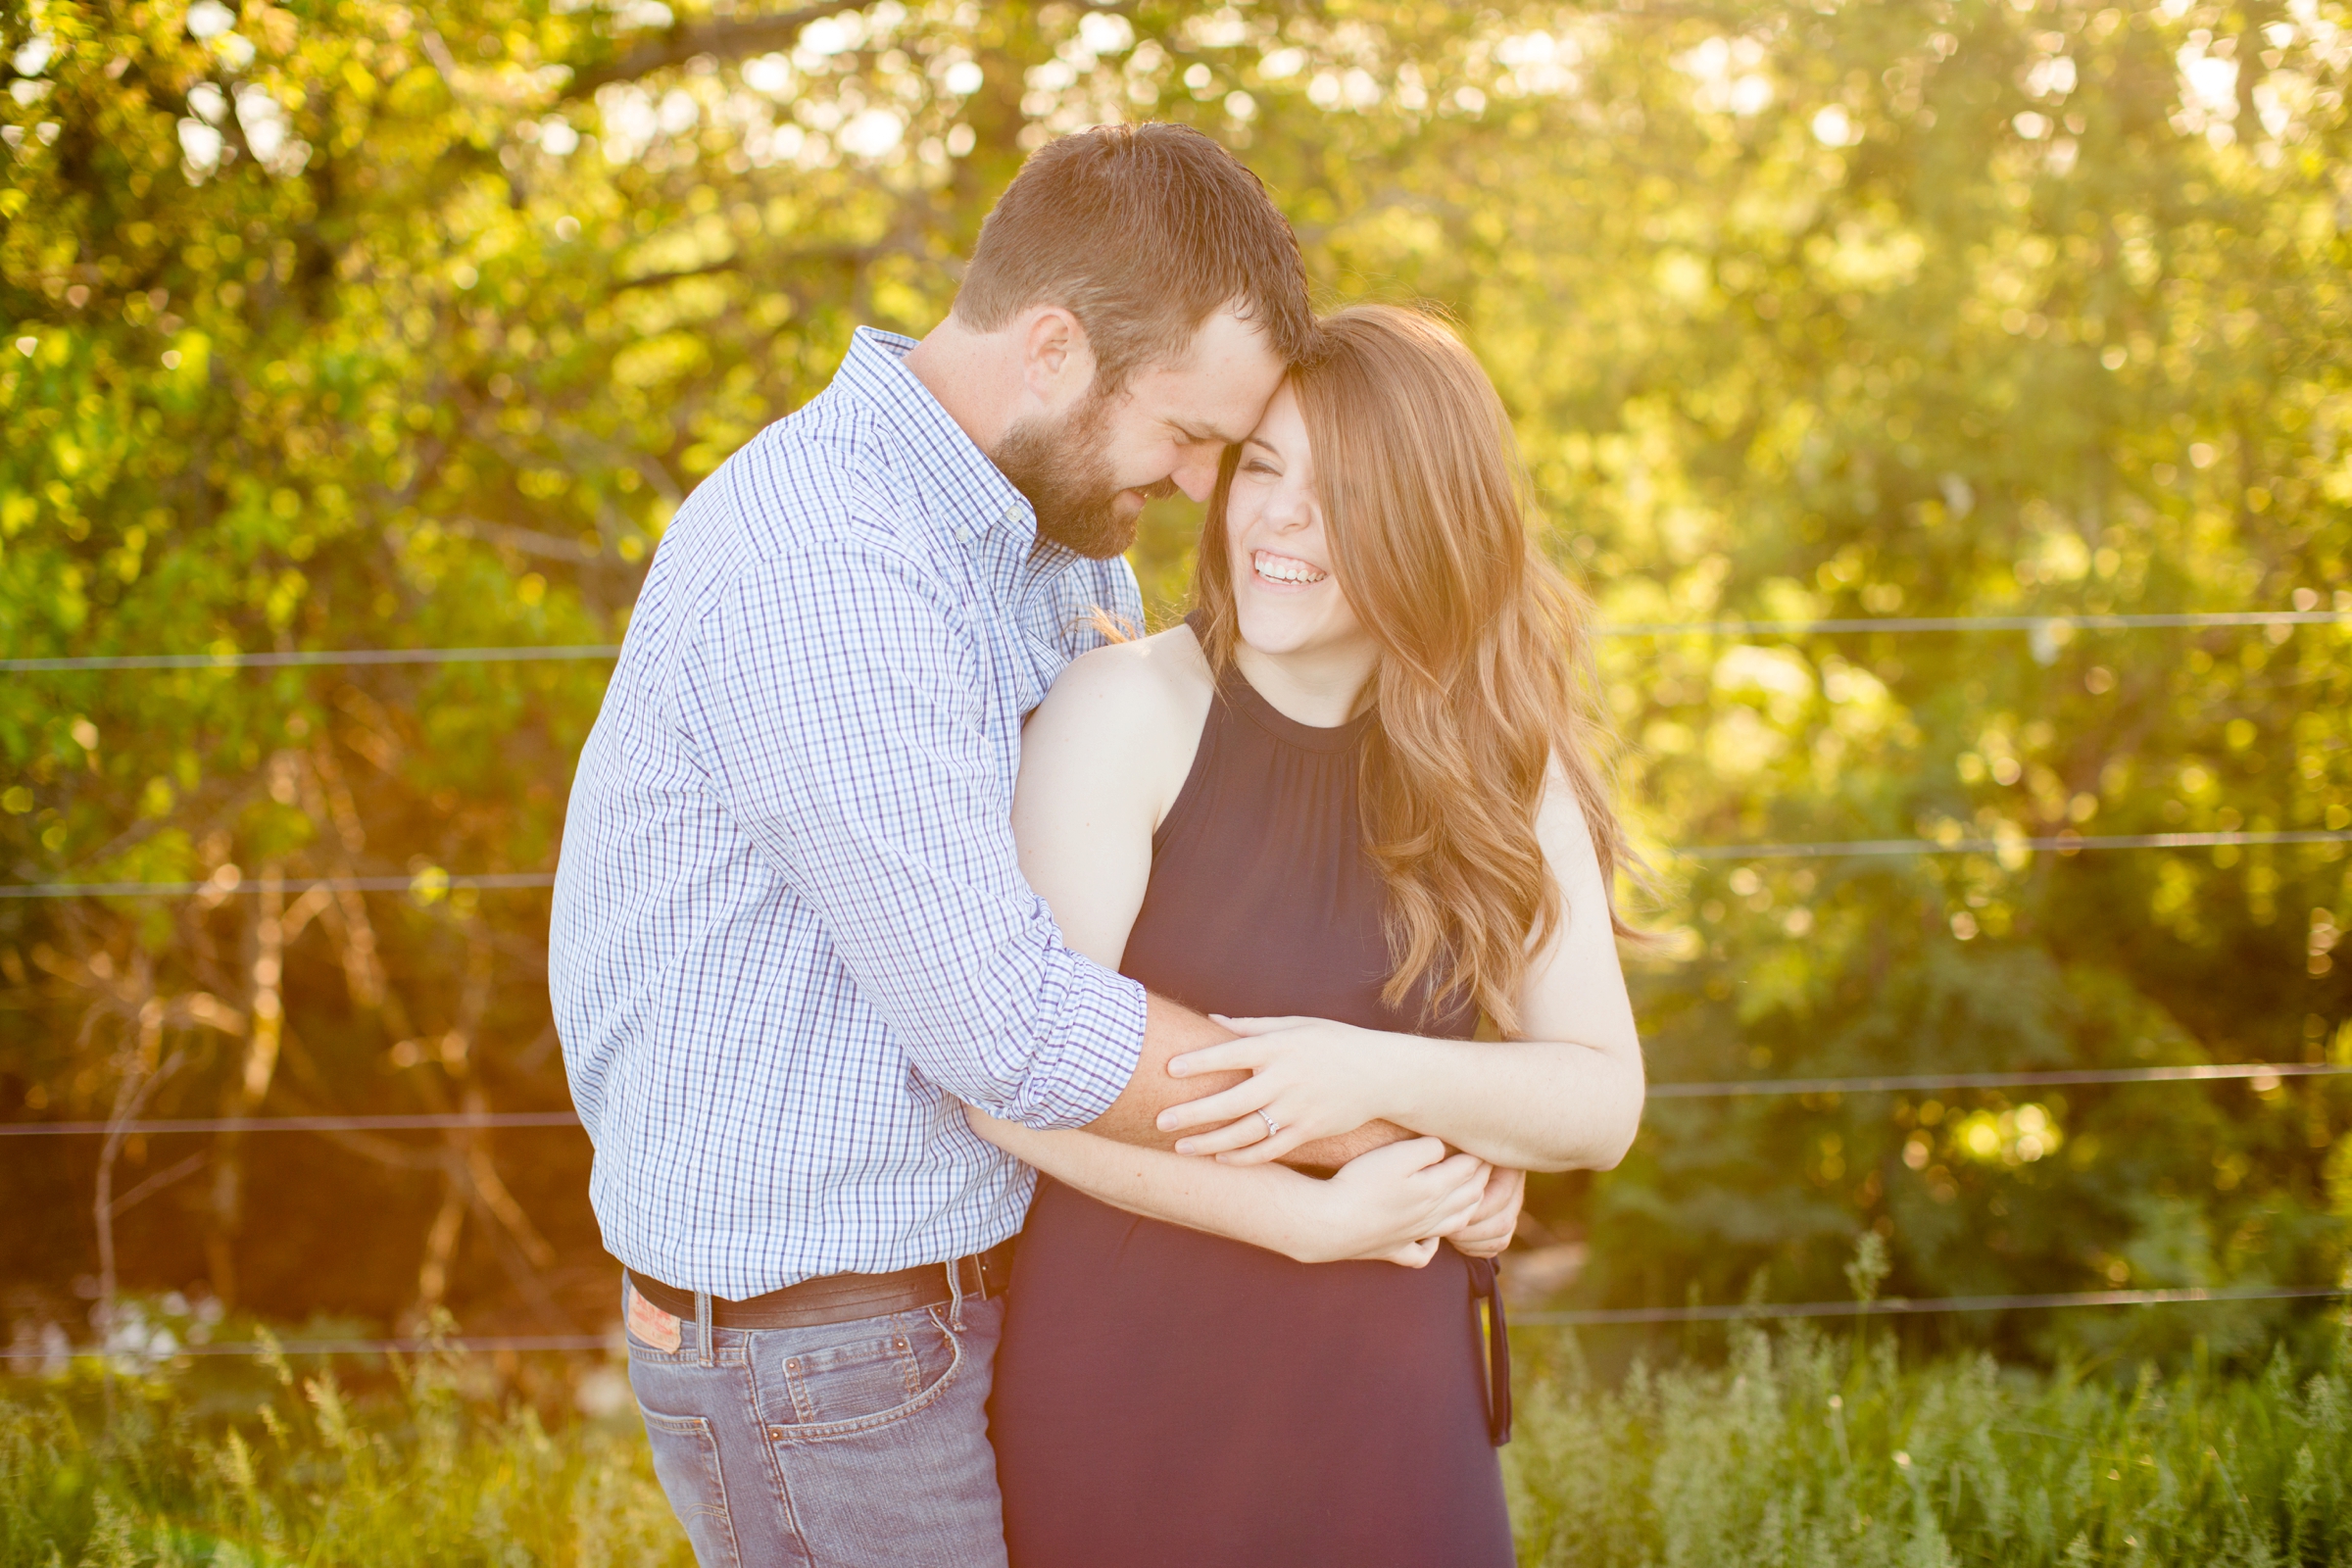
(1390, 1207)
(1101, 763)
(1103, 759)
(1566, 1094)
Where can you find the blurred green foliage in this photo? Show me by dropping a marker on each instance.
(361, 325)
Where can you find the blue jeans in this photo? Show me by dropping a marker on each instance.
(848, 1444)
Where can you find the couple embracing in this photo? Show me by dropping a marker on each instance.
(1061, 1091)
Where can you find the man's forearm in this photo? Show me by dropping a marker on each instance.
(1172, 1029)
(1330, 1153)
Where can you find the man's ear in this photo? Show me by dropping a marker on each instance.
(1057, 364)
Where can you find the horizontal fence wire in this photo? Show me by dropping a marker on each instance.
(2046, 625)
(1592, 1318)
(317, 658)
(475, 1345)
(2059, 843)
(2202, 1072)
(1902, 1307)
(440, 883)
(220, 887)
(2043, 625)
(435, 1122)
(421, 1122)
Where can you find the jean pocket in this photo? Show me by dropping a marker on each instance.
(880, 1375)
(686, 1463)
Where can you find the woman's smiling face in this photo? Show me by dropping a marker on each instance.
(1287, 597)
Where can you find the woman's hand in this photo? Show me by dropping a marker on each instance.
(1396, 1204)
(1310, 1079)
(1003, 1134)
(1491, 1225)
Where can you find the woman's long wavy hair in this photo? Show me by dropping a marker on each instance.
(1484, 679)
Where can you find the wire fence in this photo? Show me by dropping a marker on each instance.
(2047, 632)
(2272, 1073)
(1927, 1306)
(2042, 626)
(1587, 1317)
(2200, 1072)
(2058, 842)
(2049, 628)
(423, 1121)
(469, 1343)
(436, 882)
(315, 659)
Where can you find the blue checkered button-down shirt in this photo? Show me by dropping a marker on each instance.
(788, 923)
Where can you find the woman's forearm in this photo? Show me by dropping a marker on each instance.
(1264, 1205)
(1529, 1105)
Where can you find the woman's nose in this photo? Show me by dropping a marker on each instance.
(1288, 512)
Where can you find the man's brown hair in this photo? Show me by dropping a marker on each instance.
(1142, 232)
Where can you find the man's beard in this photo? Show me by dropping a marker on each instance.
(1066, 476)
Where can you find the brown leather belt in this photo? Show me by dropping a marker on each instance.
(843, 1297)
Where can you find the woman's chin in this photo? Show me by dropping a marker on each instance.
(1275, 635)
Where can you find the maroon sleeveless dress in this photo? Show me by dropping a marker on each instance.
(1167, 1397)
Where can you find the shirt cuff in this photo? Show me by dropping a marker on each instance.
(1093, 1037)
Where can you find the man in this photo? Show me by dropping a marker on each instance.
(788, 931)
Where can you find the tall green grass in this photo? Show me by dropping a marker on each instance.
(1803, 1449)
(431, 1466)
(1806, 1451)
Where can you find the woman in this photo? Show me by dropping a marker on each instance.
(1359, 787)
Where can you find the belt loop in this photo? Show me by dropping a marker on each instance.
(955, 1294)
(702, 1327)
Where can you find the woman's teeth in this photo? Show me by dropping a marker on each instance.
(1283, 568)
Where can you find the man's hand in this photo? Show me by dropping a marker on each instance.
(1492, 1224)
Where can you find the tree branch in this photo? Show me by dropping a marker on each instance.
(721, 41)
(529, 541)
(851, 255)
(680, 275)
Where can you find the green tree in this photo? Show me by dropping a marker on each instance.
(359, 325)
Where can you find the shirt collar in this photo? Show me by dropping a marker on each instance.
(973, 497)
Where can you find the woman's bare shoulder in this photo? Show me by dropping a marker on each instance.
(1153, 683)
(1122, 721)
